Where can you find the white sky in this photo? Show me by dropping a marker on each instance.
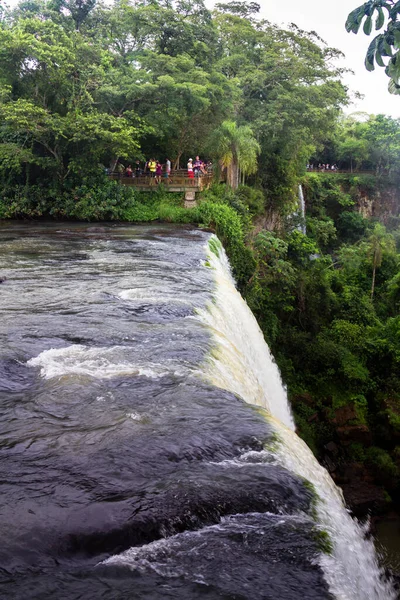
(327, 18)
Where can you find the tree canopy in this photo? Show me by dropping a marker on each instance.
(84, 84)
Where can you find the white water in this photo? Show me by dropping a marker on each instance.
(243, 364)
(100, 363)
(241, 361)
(302, 206)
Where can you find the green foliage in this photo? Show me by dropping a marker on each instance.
(352, 226)
(323, 231)
(301, 247)
(382, 14)
(228, 226)
(386, 471)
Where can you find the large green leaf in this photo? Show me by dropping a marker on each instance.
(368, 25)
(394, 11)
(369, 57)
(354, 19)
(394, 88)
(380, 19)
(396, 35)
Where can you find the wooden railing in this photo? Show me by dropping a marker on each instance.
(347, 171)
(181, 181)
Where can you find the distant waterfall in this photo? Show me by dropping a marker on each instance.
(302, 210)
(241, 362)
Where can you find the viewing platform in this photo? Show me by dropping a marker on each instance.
(347, 172)
(178, 182)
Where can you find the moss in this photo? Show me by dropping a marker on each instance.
(323, 540)
(215, 246)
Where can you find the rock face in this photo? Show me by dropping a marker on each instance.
(382, 203)
(348, 426)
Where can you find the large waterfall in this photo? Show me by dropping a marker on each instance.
(147, 446)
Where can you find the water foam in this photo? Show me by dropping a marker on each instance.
(242, 363)
(98, 362)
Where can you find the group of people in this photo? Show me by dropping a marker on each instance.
(197, 168)
(157, 170)
(322, 167)
(153, 168)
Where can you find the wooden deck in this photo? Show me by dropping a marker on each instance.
(174, 183)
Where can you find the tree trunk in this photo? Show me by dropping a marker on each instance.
(233, 175)
(176, 161)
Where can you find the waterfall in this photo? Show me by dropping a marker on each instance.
(242, 363)
(302, 210)
(147, 443)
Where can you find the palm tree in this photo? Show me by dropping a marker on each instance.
(237, 149)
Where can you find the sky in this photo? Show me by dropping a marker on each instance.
(328, 19)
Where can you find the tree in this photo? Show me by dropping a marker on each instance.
(378, 241)
(384, 45)
(237, 149)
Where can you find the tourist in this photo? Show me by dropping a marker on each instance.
(128, 171)
(138, 169)
(167, 167)
(152, 166)
(190, 169)
(158, 172)
(120, 169)
(198, 166)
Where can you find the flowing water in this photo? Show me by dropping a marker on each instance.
(302, 210)
(147, 449)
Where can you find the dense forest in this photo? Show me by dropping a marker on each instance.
(84, 85)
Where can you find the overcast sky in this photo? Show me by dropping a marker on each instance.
(328, 19)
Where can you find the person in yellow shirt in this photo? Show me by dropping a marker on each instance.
(152, 165)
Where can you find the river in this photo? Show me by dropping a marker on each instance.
(147, 449)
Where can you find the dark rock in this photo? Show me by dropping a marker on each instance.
(355, 433)
(345, 414)
(3, 279)
(363, 498)
(304, 398)
(332, 448)
(329, 464)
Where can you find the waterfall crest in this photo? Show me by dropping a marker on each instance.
(242, 363)
(239, 359)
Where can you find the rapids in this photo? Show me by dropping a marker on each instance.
(147, 449)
